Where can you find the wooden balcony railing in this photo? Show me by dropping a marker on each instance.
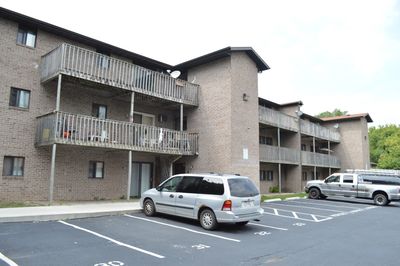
(276, 154)
(85, 64)
(278, 119)
(318, 131)
(66, 128)
(319, 159)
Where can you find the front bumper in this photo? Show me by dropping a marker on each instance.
(231, 217)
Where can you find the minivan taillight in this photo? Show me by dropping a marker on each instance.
(227, 205)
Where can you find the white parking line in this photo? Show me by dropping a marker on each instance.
(182, 228)
(267, 226)
(296, 206)
(113, 240)
(295, 215)
(326, 205)
(7, 260)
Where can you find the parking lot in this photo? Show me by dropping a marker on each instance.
(293, 232)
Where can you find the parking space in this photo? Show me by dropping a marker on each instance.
(289, 232)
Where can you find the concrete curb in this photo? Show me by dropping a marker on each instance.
(272, 200)
(64, 216)
(293, 198)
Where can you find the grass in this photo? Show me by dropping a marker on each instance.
(282, 196)
(13, 204)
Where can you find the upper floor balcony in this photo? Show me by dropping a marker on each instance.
(82, 130)
(88, 65)
(318, 131)
(319, 159)
(275, 154)
(277, 119)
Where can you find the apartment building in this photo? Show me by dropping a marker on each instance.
(85, 120)
(296, 147)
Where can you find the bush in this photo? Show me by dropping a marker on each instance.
(274, 189)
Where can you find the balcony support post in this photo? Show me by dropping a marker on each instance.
(329, 153)
(279, 159)
(315, 167)
(181, 117)
(58, 93)
(132, 108)
(52, 173)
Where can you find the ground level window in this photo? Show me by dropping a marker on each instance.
(96, 169)
(266, 175)
(13, 166)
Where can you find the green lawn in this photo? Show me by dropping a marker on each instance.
(11, 204)
(282, 196)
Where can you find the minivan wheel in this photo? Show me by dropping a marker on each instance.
(381, 199)
(314, 193)
(148, 208)
(208, 220)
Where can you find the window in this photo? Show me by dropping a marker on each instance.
(266, 175)
(19, 98)
(265, 140)
(242, 187)
(189, 184)
(333, 179)
(96, 169)
(171, 185)
(303, 147)
(26, 36)
(380, 180)
(13, 166)
(211, 186)
(142, 118)
(99, 110)
(304, 175)
(348, 179)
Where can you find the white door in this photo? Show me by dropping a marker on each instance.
(145, 177)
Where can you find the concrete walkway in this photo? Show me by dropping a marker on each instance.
(67, 211)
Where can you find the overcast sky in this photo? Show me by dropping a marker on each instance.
(328, 54)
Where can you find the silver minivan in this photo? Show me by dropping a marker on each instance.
(209, 198)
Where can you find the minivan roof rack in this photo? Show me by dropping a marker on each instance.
(374, 171)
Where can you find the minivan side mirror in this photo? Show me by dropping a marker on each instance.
(158, 188)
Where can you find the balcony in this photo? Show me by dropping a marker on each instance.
(318, 131)
(66, 128)
(277, 119)
(319, 159)
(88, 65)
(274, 154)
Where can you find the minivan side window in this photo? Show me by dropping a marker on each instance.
(212, 186)
(171, 185)
(189, 184)
(381, 180)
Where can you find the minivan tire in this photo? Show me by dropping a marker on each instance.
(314, 193)
(208, 220)
(149, 208)
(381, 199)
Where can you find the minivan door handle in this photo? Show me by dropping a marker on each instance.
(180, 196)
(171, 195)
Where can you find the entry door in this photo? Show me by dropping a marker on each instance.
(141, 178)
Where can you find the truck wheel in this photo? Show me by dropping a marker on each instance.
(314, 193)
(381, 199)
(208, 220)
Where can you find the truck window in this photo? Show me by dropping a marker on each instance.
(332, 179)
(347, 179)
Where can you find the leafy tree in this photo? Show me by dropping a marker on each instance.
(384, 144)
(335, 112)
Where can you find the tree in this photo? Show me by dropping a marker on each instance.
(384, 144)
(335, 112)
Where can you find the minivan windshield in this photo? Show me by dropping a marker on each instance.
(242, 187)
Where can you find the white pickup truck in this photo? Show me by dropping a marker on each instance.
(380, 187)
